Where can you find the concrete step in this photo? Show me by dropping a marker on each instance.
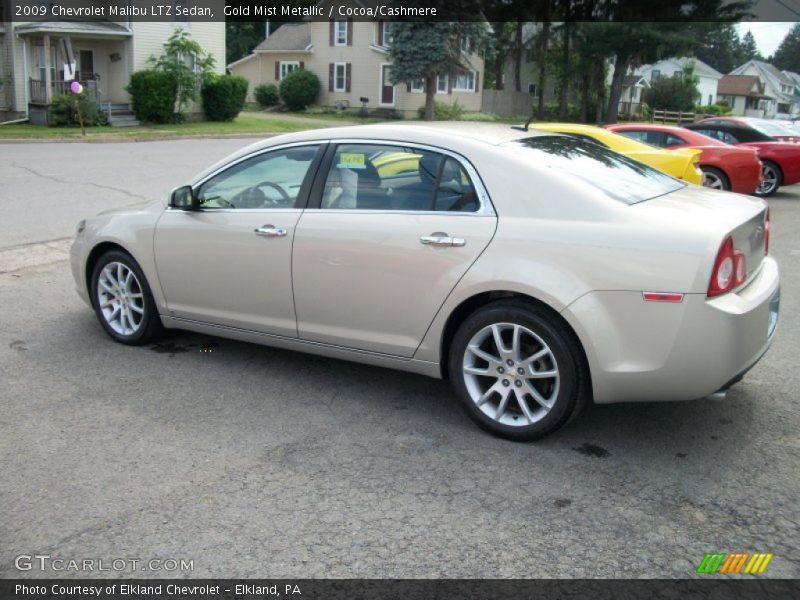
(123, 121)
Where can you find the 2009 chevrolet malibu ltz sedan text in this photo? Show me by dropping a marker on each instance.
(536, 271)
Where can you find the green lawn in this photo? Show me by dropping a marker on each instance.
(244, 124)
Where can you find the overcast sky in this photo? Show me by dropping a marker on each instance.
(768, 35)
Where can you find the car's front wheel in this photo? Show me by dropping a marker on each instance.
(517, 370)
(122, 299)
(771, 179)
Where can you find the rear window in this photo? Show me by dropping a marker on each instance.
(618, 176)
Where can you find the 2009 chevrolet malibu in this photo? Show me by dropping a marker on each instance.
(537, 272)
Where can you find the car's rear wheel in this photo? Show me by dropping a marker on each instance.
(715, 179)
(771, 179)
(122, 299)
(517, 370)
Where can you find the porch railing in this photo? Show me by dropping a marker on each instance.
(38, 90)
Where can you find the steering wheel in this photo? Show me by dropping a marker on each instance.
(284, 196)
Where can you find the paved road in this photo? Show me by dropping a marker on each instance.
(257, 462)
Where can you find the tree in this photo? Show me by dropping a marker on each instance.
(185, 61)
(422, 50)
(241, 37)
(720, 46)
(787, 56)
(750, 48)
(678, 92)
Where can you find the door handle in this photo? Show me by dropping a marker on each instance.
(441, 240)
(270, 231)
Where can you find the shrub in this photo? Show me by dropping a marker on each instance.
(713, 109)
(223, 96)
(153, 94)
(299, 89)
(63, 111)
(444, 112)
(266, 95)
(672, 93)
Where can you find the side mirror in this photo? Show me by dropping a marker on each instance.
(183, 198)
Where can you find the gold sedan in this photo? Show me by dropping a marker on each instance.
(682, 163)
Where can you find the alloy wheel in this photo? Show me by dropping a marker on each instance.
(769, 179)
(711, 180)
(511, 374)
(120, 298)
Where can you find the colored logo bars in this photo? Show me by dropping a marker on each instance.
(734, 562)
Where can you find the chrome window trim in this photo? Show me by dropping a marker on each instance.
(486, 206)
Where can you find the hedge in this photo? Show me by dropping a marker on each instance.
(223, 96)
(153, 95)
(266, 94)
(299, 89)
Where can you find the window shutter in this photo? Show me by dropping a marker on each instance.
(380, 33)
(302, 65)
(277, 70)
(350, 32)
(347, 70)
(331, 37)
(477, 81)
(408, 87)
(330, 77)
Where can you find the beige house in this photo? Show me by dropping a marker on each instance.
(352, 62)
(34, 63)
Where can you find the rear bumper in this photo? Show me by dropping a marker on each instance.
(654, 351)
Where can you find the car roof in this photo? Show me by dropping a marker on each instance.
(459, 136)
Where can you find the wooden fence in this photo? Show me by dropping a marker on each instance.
(671, 116)
(507, 103)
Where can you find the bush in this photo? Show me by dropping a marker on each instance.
(266, 95)
(299, 89)
(223, 96)
(153, 95)
(443, 112)
(672, 93)
(713, 109)
(63, 111)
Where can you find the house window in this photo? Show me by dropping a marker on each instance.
(464, 82)
(678, 74)
(442, 84)
(340, 33)
(418, 86)
(339, 77)
(386, 33)
(40, 51)
(532, 89)
(287, 67)
(530, 55)
(655, 74)
(465, 45)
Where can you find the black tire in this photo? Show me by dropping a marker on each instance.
(572, 393)
(150, 326)
(767, 192)
(715, 173)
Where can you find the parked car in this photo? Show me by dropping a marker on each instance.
(780, 160)
(724, 167)
(535, 271)
(681, 163)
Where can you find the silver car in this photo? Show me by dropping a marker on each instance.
(537, 272)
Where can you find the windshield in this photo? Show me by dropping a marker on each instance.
(618, 176)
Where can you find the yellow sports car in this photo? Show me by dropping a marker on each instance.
(681, 163)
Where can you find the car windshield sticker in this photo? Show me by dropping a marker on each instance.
(352, 160)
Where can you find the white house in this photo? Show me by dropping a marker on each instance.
(34, 63)
(779, 89)
(709, 77)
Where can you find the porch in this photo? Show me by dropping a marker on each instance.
(56, 53)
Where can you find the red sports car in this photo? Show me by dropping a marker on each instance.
(780, 160)
(724, 167)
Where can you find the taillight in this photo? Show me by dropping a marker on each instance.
(767, 228)
(730, 269)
